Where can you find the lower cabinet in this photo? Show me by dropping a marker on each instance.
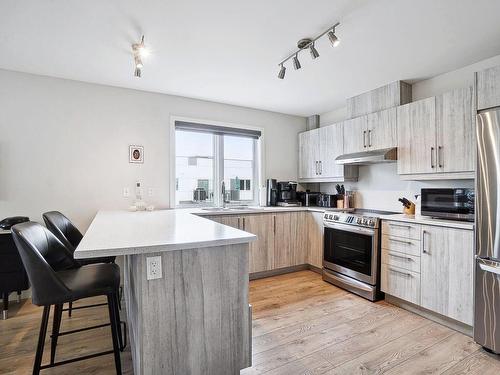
(447, 272)
(315, 239)
(437, 277)
(262, 249)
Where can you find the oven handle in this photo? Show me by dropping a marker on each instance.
(350, 228)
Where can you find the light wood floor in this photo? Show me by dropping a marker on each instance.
(301, 326)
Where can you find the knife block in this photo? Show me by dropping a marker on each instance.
(409, 211)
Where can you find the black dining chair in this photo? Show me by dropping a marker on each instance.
(70, 236)
(56, 279)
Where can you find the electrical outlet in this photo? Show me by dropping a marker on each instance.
(153, 268)
(150, 192)
(126, 192)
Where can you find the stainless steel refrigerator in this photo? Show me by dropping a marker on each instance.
(487, 271)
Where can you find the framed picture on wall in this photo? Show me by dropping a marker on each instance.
(136, 154)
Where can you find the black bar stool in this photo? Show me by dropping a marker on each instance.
(55, 280)
(70, 236)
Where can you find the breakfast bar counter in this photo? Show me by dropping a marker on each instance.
(191, 315)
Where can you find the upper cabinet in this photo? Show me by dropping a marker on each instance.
(488, 88)
(385, 97)
(370, 132)
(436, 137)
(318, 149)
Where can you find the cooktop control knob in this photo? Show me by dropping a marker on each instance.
(371, 223)
(330, 217)
(358, 220)
(336, 217)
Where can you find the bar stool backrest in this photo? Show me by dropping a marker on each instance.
(63, 229)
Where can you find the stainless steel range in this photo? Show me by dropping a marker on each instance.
(351, 256)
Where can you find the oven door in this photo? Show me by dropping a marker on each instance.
(352, 251)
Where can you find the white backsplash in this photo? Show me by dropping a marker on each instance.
(379, 187)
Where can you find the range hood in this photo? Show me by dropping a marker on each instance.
(385, 155)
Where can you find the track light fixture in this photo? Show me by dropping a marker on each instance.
(139, 51)
(281, 74)
(308, 43)
(296, 62)
(314, 51)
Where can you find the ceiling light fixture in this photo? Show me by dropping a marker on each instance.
(281, 74)
(296, 62)
(308, 43)
(139, 51)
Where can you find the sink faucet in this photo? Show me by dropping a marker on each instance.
(223, 193)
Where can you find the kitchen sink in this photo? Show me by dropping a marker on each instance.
(231, 208)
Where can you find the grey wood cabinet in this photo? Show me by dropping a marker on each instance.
(488, 88)
(388, 96)
(436, 137)
(417, 137)
(447, 272)
(318, 149)
(381, 129)
(355, 135)
(455, 125)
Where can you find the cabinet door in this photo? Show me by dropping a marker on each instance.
(282, 239)
(262, 249)
(309, 154)
(417, 137)
(381, 127)
(315, 238)
(447, 271)
(488, 88)
(455, 119)
(331, 145)
(299, 244)
(400, 282)
(230, 220)
(355, 135)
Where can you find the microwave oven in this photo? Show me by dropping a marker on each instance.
(455, 204)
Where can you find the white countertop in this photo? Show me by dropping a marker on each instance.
(429, 221)
(114, 233)
(251, 210)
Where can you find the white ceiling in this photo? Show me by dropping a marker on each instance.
(227, 51)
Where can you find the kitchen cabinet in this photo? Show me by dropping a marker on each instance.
(315, 239)
(318, 149)
(436, 137)
(388, 96)
(417, 137)
(371, 132)
(447, 272)
(400, 283)
(455, 123)
(488, 88)
(261, 256)
(290, 239)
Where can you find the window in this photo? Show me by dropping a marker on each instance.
(206, 155)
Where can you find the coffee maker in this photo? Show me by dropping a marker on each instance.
(272, 192)
(287, 194)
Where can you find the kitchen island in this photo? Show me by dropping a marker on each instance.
(194, 318)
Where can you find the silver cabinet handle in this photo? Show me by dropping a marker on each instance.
(400, 241)
(239, 226)
(320, 167)
(401, 273)
(316, 162)
(274, 224)
(432, 157)
(423, 242)
(439, 158)
(243, 223)
(364, 138)
(369, 138)
(400, 256)
(400, 225)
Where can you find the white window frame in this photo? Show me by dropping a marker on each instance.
(258, 170)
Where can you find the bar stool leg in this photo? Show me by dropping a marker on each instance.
(56, 326)
(41, 340)
(113, 320)
(18, 296)
(70, 309)
(5, 306)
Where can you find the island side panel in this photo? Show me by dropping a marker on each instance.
(195, 319)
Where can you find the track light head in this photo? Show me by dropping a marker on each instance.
(333, 38)
(296, 62)
(314, 51)
(139, 51)
(138, 61)
(137, 72)
(282, 71)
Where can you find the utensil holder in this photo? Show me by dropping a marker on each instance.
(409, 211)
(340, 201)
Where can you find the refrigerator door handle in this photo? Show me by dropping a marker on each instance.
(489, 267)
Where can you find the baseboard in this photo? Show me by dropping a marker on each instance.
(438, 318)
(284, 270)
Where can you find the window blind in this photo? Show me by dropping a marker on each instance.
(218, 130)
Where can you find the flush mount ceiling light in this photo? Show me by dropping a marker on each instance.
(308, 43)
(139, 51)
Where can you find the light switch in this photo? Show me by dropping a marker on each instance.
(126, 192)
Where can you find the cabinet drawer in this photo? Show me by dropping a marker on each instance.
(401, 283)
(401, 245)
(401, 229)
(400, 260)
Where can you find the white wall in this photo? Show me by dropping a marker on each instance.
(64, 144)
(379, 186)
